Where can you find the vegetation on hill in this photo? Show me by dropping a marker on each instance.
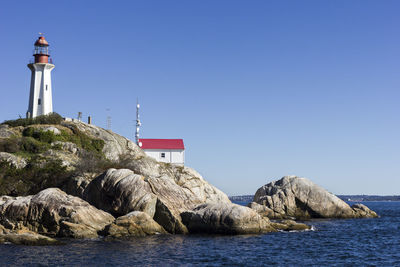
(34, 143)
(32, 178)
(53, 118)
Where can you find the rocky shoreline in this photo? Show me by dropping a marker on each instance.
(120, 192)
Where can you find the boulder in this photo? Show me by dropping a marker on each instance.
(300, 198)
(16, 161)
(120, 192)
(49, 128)
(53, 212)
(134, 224)
(163, 197)
(225, 218)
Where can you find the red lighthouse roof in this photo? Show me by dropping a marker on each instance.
(41, 42)
(161, 143)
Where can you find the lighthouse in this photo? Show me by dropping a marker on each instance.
(40, 97)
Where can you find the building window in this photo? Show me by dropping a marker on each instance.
(46, 87)
(163, 155)
(39, 102)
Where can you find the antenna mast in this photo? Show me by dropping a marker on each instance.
(108, 119)
(138, 123)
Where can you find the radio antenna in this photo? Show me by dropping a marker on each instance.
(138, 123)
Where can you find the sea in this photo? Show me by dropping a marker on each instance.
(354, 242)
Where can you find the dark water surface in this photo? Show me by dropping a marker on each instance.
(356, 242)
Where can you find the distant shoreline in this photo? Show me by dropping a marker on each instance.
(352, 198)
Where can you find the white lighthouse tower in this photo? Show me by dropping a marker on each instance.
(40, 97)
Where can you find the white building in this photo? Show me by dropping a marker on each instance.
(40, 97)
(164, 150)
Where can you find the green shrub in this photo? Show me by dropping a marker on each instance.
(32, 146)
(40, 135)
(35, 177)
(29, 131)
(10, 145)
(52, 118)
(86, 142)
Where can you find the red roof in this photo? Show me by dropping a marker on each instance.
(162, 143)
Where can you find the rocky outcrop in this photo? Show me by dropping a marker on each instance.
(120, 192)
(163, 197)
(53, 212)
(67, 146)
(16, 161)
(27, 238)
(363, 211)
(300, 198)
(68, 160)
(48, 128)
(225, 218)
(115, 145)
(134, 224)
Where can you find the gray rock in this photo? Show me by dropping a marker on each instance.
(261, 209)
(16, 161)
(133, 224)
(5, 131)
(53, 213)
(300, 198)
(225, 218)
(67, 159)
(67, 146)
(120, 192)
(52, 129)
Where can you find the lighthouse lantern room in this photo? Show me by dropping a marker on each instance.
(40, 97)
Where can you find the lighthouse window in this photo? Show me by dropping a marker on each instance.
(46, 87)
(39, 102)
(163, 155)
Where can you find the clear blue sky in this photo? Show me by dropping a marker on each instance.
(257, 89)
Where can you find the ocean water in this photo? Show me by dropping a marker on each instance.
(355, 242)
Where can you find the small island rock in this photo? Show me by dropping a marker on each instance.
(300, 198)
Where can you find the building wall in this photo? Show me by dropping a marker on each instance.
(175, 156)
